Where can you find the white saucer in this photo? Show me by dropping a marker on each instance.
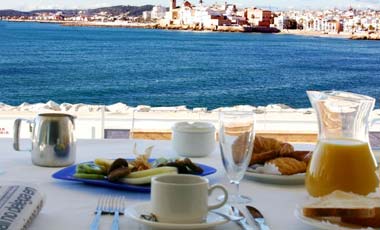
(276, 179)
(145, 208)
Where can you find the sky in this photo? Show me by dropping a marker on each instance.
(27, 5)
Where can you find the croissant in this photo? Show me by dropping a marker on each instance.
(239, 148)
(265, 149)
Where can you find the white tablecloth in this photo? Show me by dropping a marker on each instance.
(70, 205)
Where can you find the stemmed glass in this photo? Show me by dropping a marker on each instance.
(236, 138)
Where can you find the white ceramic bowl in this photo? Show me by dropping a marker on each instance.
(193, 139)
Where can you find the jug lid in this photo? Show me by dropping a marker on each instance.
(320, 95)
(56, 114)
(195, 127)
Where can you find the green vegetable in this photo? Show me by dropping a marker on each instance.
(151, 172)
(145, 176)
(89, 176)
(90, 168)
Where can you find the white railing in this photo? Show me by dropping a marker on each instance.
(94, 125)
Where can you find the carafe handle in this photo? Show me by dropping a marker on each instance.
(16, 133)
(374, 121)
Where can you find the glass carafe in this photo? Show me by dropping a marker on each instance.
(342, 159)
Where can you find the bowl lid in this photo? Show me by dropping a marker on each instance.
(193, 127)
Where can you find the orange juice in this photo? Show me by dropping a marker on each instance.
(342, 164)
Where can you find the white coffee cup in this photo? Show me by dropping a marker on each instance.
(193, 139)
(183, 198)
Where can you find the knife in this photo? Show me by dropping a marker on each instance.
(258, 217)
(242, 222)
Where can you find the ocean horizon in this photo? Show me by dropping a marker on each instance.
(41, 62)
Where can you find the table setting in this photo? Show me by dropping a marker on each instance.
(225, 178)
(73, 204)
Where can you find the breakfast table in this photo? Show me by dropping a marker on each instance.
(71, 205)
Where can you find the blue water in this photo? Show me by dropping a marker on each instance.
(41, 62)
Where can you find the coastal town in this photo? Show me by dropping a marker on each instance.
(227, 17)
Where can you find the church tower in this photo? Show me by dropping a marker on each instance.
(173, 4)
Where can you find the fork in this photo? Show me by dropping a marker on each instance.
(109, 205)
(117, 207)
(243, 222)
(228, 216)
(100, 208)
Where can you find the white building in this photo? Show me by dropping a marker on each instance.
(279, 22)
(185, 14)
(326, 25)
(146, 15)
(189, 14)
(158, 12)
(206, 16)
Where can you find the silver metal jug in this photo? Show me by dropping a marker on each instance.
(53, 141)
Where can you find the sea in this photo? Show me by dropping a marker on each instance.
(41, 62)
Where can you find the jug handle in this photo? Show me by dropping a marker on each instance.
(374, 121)
(16, 133)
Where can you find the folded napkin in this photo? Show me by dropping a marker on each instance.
(267, 168)
(19, 205)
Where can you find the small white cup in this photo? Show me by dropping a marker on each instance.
(183, 198)
(193, 139)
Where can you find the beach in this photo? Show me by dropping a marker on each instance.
(317, 34)
(353, 36)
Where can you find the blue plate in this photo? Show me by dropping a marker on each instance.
(68, 174)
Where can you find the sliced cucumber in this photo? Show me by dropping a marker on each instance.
(90, 168)
(89, 176)
(151, 172)
(144, 180)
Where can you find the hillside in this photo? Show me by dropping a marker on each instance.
(117, 10)
(14, 13)
(113, 10)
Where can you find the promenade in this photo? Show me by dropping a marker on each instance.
(241, 29)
